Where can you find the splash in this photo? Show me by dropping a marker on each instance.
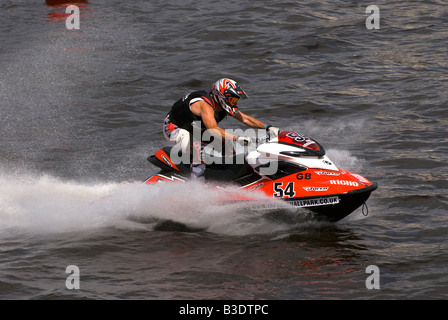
(336, 138)
(46, 204)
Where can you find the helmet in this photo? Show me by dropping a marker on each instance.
(227, 93)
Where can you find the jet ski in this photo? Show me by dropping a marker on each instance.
(291, 167)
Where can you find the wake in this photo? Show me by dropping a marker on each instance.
(47, 204)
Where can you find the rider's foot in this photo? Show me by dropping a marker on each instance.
(198, 172)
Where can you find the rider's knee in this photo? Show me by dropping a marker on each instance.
(182, 139)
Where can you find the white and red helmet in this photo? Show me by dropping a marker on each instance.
(227, 92)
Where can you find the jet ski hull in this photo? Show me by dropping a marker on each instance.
(304, 177)
(345, 204)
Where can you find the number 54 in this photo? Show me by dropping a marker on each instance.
(287, 191)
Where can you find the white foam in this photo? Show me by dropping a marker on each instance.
(46, 204)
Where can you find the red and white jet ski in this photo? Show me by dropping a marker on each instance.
(290, 167)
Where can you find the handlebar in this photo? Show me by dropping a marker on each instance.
(260, 140)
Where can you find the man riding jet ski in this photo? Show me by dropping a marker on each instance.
(286, 165)
(208, 108)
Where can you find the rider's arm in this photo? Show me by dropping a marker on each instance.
(249, 121)
(206, 112)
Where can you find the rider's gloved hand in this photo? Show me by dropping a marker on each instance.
(244, 141)
(272, 131)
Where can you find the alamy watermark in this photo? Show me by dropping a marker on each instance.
(373, 20)
(73, 280)
(73, 20)
(213, 148)
(373, 280)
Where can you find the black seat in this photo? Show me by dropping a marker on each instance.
(215, 170)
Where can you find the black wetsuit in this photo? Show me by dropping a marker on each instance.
(182, 116)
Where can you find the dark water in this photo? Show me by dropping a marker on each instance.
(82, 109)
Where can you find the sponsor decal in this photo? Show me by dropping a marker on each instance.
(345, 183)
(315, 188)
(167, 161)
(296, 203)
(258, 186)
(300, 139)
(160, 178)
(314, 202)
(163, 178)
(295, 136)
(327, 173)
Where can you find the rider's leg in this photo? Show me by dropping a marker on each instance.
(180, 138)
(198, 161)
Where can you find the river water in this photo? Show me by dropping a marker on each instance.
(81, 109)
